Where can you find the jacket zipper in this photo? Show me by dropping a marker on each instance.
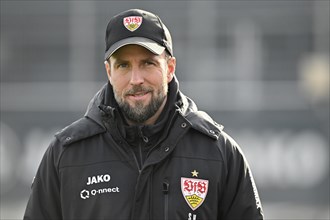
(137, 162)
(144, 140)
(166, 189)
(138, 158)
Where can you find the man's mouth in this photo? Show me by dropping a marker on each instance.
(138, 96)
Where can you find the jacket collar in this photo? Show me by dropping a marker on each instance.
(103, 104)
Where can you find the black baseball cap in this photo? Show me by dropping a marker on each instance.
(136, 26)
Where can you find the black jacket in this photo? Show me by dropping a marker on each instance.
(193, 170)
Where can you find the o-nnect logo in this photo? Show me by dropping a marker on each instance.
(86, 194)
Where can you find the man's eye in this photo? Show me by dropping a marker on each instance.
(122, 65)
(149, 63)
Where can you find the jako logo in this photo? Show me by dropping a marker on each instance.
(98, 179)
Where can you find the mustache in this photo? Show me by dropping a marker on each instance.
(138, 89)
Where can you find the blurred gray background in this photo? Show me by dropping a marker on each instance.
(260, 68)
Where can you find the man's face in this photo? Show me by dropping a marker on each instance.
(140, 82)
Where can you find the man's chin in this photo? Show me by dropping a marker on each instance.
(137, 104)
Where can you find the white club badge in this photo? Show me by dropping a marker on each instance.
(194, 191)
(132, 23)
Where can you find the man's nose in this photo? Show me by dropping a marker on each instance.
(136, 76)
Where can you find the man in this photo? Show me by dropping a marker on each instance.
(143, 150)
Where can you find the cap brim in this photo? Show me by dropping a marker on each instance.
(144, 42)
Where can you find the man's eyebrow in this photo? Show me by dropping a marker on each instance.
(152, 57)
(149, 58)
(117, 60)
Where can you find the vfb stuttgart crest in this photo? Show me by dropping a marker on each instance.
(194, 191)
(132, 23)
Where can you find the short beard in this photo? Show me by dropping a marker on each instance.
(140, 113)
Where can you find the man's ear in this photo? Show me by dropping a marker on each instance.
(171, 65)
(108, 69)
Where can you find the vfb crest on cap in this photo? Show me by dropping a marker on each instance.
(132, 23)
(194, 191)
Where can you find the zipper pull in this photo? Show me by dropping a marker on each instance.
(144, 138)
(166, 187)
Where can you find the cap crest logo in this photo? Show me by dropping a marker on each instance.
(132, 23)
(194, 191)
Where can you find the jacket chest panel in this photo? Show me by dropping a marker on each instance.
(186, 187)
(87, 189)
(179, 185)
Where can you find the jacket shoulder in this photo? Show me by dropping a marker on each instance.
(203, 123)
(79, 130)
